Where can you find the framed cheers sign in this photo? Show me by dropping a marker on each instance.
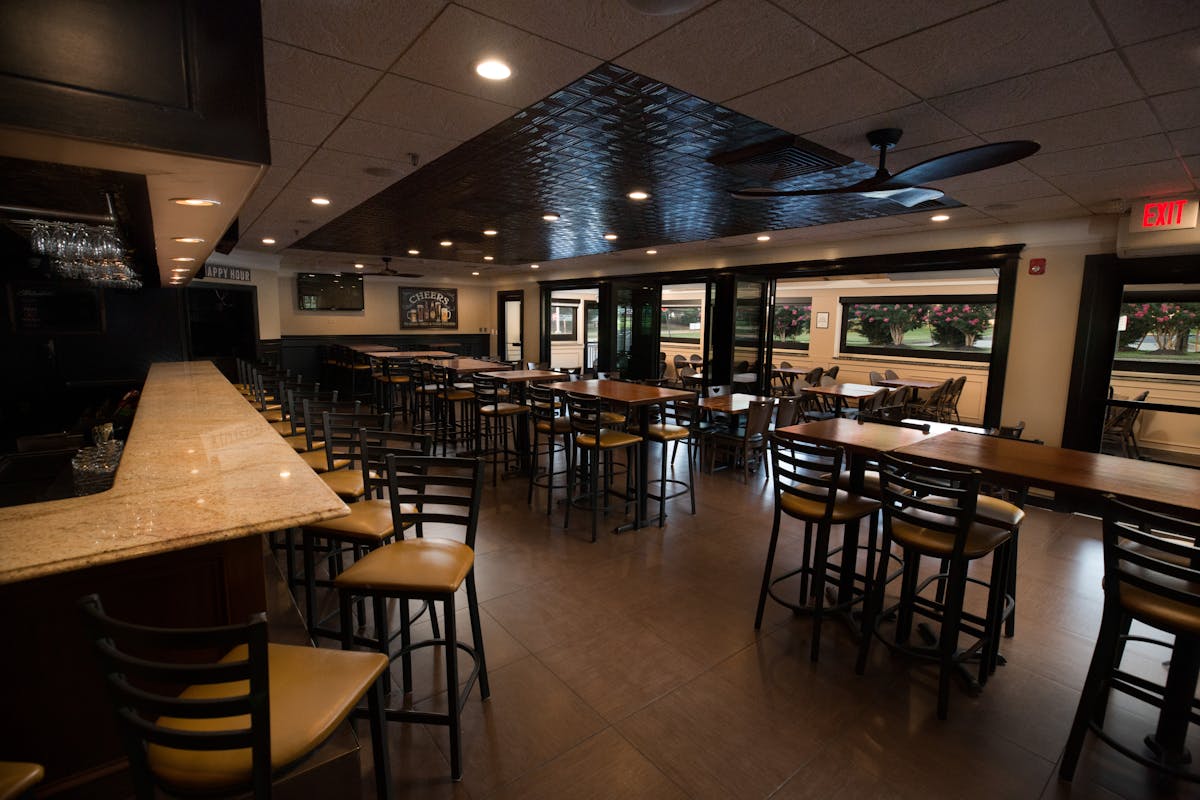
(428, 308)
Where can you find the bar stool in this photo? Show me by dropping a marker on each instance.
(930, 511)
(592, 440)
(445, 492)
(17, 779)
(314, 432)
(397, 386)
(494, 420)
(451, 404)
(242, 720)
(292, 428)
(675, 426)
(1152, 575)
(548, 422)
(806, 489)
(342, 456)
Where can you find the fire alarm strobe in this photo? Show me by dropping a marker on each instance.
(1037, 266)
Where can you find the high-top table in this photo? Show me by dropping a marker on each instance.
(637, 396)
(405, 355)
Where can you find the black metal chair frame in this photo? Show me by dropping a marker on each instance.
(585, 413)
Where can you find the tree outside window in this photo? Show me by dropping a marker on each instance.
(1159, 332)
(792, 327)
(924, 327)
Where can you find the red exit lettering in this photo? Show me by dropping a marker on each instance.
(1169, 212)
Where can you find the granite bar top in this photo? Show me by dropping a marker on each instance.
(200, 466)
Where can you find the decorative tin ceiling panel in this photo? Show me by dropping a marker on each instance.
(578, 153)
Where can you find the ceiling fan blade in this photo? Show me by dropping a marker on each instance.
(962, 162)
(907, 197)
(766, 193)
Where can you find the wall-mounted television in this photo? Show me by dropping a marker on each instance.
(324, 291)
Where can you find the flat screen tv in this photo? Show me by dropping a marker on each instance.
(323, 291)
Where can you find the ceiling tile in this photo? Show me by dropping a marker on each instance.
(314, 81)
(391, 144)
(1168, 64)
(790, 104)
(1038, 208)
(369, 32)
(993, 43)
(296, 124)
(1186, 142)
(1125, 183)
(601, 28)
(1136, 22)
(357, 166)
(857, 26)
(1101, 156)
(446, 55)
(1082, 85)
(1193, 164)
(922, 124)
(982, 196)
(731, 48)
(1009, 173)
(1123, 121)
(403, 103)
(1178, 110)
(289, 154)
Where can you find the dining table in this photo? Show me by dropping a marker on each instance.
(840, 393)
(641, 398)
(469, 366)
(405, 355)
(1165, 487)
(896, 383)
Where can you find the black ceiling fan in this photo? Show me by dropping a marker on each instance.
(906, 187)
(388, 271)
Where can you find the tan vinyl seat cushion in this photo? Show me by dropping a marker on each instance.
(609, 440)
(272, 414)
(612, 418)
(299, 442)
(455, 395)
(1157, 610)
(1001, 513)
(503, 410)
(369, 521)
(345, 483)
(312, 691)
(561, 425)
(665, 433)
(412, 565)
(18, 777)
(981, 538)
(285, 426)
(316, 460)
(846, 507)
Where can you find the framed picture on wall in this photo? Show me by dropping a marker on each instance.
(564, 322)
(428, 308)
(822, 319)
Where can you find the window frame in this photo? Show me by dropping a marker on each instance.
(1168, 367)
(573, 336)
(931, 354)
(697, 304)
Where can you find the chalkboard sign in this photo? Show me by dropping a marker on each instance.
(428, 308)
(52, 308)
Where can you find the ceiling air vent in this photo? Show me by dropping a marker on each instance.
(779, 159)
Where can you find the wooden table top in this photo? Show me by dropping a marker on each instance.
(946, 427)
(1058, 468)
(851, 390)
(369, 348)
(525, 375)
(863, 438)
(400, 354)
(472, 365)
(731, 403)
(794, 370)
(631, 394)
(895, 383)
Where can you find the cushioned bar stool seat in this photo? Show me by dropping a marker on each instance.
(495, 421)
(548, 424)
(18, 777)
(241, 720)
(424, 490)
(594, 444)
(678, 418)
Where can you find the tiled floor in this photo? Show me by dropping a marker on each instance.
(630, 668)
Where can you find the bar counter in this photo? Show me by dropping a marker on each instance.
(200, 466)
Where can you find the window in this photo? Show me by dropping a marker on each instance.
(1159, 332)
(955, 328)
(680, 322)
(564, 322)
(792, 324)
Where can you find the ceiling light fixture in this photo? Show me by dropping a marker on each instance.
(188, 240)
(763, 238)
(551, 217)
(612, 237)
(490, 232)
(488, 258)
(358, 266)
(319, 201)
(638, 195)
(651, 252)
(199, 202)
(534, 266)
(493, 70)
(268, 240)
(474, 273)
(939, 218)
(183, 258)
(414, 252)
(445, 243)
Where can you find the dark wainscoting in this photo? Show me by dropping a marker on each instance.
(304, 354)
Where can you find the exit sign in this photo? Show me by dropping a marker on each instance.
(1163, 214)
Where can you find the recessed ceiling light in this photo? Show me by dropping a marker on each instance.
(268, 240)
(488, 258)
(493, 70)
(651, 252)
(445, 242)
(474, 273)
(490, 232)
(319, 201)
(358, 266)
(534, 266)
(195, 201)
(763, 238)
(414, 252)
(183, 258)
(551, 217)
(188, 240)
(939, 217)
(638, 195)
(612, 237)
